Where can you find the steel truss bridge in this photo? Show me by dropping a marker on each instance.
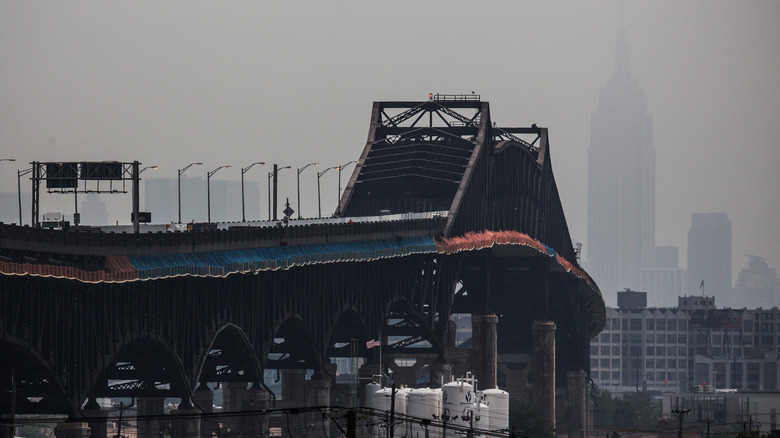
(87, 314)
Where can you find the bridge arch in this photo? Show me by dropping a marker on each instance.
(144, 366)
(229, 357)
(349, 325)
(38, 390)
(292, 346)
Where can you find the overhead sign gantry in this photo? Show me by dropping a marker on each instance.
(85, 177)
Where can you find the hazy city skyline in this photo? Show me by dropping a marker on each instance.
(171, 83)
(621, 182)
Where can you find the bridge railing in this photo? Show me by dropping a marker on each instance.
(96, 243)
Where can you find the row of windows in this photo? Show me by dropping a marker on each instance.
(649, 363)
(650, 324)
(667, 377)
(650, 338)
(635, 351)
(751, 326)
(665, 363)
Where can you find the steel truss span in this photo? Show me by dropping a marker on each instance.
(88, 315)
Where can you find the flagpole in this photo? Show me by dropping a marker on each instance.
(381, 376)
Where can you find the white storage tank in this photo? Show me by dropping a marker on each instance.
(401, 395)
(457, 402)
(423, 403)
(382, 400)
(481, 416)
(370, 398)
(498, 402)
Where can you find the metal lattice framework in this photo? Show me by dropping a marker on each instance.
(64, 177)
(74, 340)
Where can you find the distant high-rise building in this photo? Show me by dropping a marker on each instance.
(93, 210)
(709, 257)
(665, 281)
(161, 199)
(9, 214)
(758, 285)
(621, 183)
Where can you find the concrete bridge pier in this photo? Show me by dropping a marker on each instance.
(189, 425)
(543, 360)
(317, 394)
(204, 399)
(251, 401)
(255, 401)
(441, 373)
(233, 395)
(97, 419)
(148, 414)
(72, 429)
(6, 426)
(485, 349)
(578, 401)
(294, 396)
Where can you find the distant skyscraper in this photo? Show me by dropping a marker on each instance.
(93, 210)
(621, 183)
(160, 198)
(709, 256)
(758, 285)
(664, 282)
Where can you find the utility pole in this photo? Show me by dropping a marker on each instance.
(392, 411)
(351, 423)
(680, 413)
(119, 424)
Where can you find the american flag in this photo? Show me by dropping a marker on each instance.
(373, 343)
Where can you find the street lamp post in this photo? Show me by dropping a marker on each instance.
(301, 169)
(243, 171)
(19, 175)
(340, 169)
(20, 192)
(178, 184)
(208, 190)
(147, 167)
(273, 175)
(139, 174)
(319, 201)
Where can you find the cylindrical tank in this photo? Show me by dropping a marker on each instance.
(457, 402)
(481, 416)
(382, 400)
(401, 427)
(498, 401)
(370, 398)
(423, 404)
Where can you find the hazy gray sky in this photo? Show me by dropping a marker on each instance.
(172, 82)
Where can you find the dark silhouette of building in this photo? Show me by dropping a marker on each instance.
(621, 182)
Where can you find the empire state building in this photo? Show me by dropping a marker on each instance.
(621, 183)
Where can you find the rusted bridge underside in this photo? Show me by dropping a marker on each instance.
(86, 314)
